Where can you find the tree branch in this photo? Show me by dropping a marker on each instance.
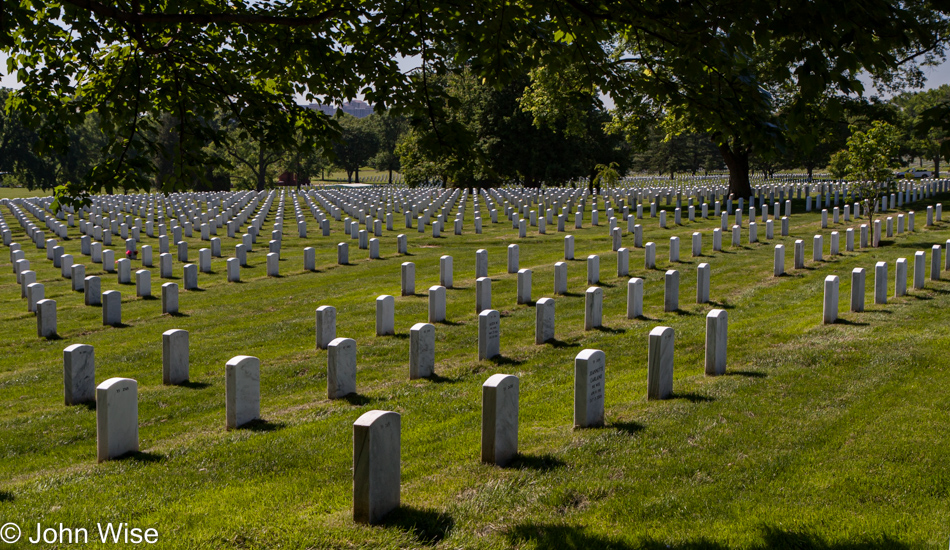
(111, 12)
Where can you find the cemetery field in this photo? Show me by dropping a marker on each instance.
(22, 193)
(818, 436)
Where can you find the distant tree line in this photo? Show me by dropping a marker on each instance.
(476, 135)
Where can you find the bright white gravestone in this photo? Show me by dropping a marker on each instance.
(489, 334)
(623, 262)
(79, 374)
(482, 294)
(589, 368)
(900, 277)
(880, 283)
(170, 298)
(481, 263)
(935, 266)
(858, 285)
(242, 390)
(92, 294)
(593, 308)
(445, 271)
(703, 273)
(524, 286)
(544, 321)
(34, 293)
(830, 309)
(111, 308)
(500, 419)
(376, 465)
(634, 298)
(436, 304)
(716, 341)
(512, 258)
(671, 299)
(117, 418)
(174, 356)
(778, 268)
(408, 279)
(46, 318)
(593, 269)
(660, 363)
(78, 274)
(341, 368)
(385, 315)
(421, 351)
(143, 283)
(919, 262)
(325, 326)
(560, 278)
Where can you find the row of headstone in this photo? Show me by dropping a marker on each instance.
(377, 434)
(859, 276)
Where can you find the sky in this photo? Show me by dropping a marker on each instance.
(936, 76)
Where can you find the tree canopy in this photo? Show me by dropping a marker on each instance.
(746, 74)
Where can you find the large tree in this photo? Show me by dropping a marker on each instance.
(723, 67)
(356, 145)
(388, 129)
(925, 141)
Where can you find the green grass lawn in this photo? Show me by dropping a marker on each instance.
(21, 193)
(831, 437)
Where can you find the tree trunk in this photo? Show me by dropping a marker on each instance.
(357, 174)
(261, 168)
(937, 166)
(390, 176)
(738, 163)
(810, 169)
(349, 176)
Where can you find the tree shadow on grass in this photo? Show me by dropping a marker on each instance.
(357, 399)
(645, 318)
(610, 330)
(142, 456)
(558, 344)
(194, 385)
(501, 360)
(429, 527)
(628, 428)
(6, 496)
(692, 397)
(683, 312)
(841, 321)
(261, 425)
(568, 537)
(541, 463)
(439, 379)
(746, 373)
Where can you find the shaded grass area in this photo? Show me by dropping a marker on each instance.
(818, 437)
